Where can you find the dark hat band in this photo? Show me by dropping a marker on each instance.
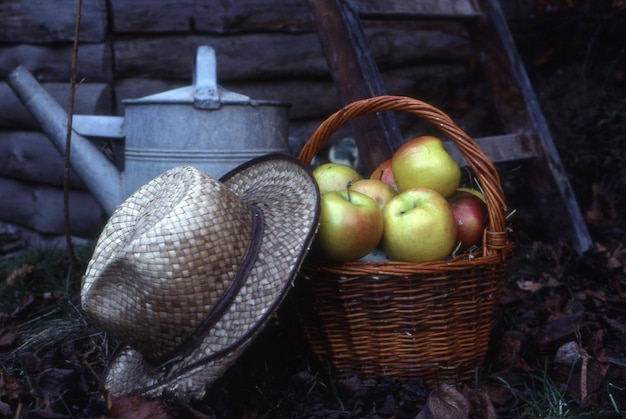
(191, 342)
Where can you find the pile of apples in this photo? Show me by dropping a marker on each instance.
(411, 208)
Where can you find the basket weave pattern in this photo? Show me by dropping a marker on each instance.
(428, 320)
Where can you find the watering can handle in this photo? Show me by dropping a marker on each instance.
(206, 94)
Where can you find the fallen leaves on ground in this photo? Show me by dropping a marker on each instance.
(137, 407)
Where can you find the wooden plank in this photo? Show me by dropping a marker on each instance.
(266, 56)
(312, 98)
(40, 208)
(318, 98)
(30, 156)
(309, 98)
(410, 9)
(356, 76)
(216, 16)
(90, 98)
(239, 57)
(499, 148)
(136, 16)
(54, 62)
(520, 113)
(51, 21)
(30, 239)
(409, 42)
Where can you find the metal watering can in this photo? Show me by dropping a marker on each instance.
(203, 125)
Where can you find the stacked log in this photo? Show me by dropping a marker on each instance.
(39, 35)
(266, 49)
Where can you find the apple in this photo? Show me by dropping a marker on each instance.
(385, 173)
(419, 226)
(376, 189)
(424, 162)
(474, 192)
(334, 176)
(350, 226)
(470, 212)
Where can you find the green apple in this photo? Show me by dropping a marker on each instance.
(385, 173)
(334, 177)
(424, 162)
(419, 226)
(376, 189)
(470, 212)
(350, 226)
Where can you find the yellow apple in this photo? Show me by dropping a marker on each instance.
(376, 189)
(334, 177)
(424, 162)
(350, 226)
(419, 226)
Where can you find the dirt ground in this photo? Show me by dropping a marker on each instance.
(559, 347)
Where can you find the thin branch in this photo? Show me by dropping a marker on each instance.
(68, 140)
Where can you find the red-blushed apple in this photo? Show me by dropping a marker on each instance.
(376, 189)
(424, 162)
(334, 176)
(385, 173)
(470, 212)
(418, 226)
(475, 192)
(350, 226)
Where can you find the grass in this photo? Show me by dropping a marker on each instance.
(38, 287)
(541, 398)
(563, 273)
(43, 272)
(39, 293)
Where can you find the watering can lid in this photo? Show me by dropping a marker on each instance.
(187, 95)
(205, 93)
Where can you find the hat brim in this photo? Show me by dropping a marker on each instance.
(285, 191)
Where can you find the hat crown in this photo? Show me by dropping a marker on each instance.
(171, 253)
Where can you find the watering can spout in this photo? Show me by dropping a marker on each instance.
(99, 174)
(203, 125)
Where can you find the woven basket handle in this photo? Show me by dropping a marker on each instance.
(480, 164)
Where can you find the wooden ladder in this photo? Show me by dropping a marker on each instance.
(527, 137)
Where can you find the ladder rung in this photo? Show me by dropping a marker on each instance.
(499, 148)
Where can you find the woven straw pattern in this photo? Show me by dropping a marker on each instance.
(190, 236)
(429, 320)
(285, 192)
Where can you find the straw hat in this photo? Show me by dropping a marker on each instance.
(189, 269)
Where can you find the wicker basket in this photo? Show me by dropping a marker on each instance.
(429, 320)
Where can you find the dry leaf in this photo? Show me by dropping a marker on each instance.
(481, 406)
(138, 407)
(445, 402)
(560, 328)
(531, 286)
(8, 336)
(10, 388)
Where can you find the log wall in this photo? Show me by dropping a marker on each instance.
(266, 49)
